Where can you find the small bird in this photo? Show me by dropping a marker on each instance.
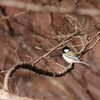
(70, 57)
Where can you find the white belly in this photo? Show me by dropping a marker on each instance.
(68, 59)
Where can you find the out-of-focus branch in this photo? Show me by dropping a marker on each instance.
(5, 95)
(39, 8)
(4, 71)
(15, 15)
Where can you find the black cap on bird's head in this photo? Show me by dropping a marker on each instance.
(65, 49)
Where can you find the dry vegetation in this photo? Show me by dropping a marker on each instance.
(32, 33)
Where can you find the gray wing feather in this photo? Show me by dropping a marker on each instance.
(74, 57)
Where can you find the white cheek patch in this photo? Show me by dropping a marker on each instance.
(66, 50)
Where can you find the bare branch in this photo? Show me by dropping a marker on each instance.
(91, 47)
(91, 40)
(15, 15)
(36, 70)
(43, 72)
(39, 8)
(5, 95)
(3, 71)
(64, 41)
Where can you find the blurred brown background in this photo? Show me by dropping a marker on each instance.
(30, 35)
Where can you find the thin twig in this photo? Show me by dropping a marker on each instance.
(3, 71)
(57, 64)
(91, 47)
(94, 44)
(64, 41)
(91, 41)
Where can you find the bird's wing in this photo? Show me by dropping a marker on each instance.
(72, 56)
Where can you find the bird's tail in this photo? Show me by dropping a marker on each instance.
(84, 63)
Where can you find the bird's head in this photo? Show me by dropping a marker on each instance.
(65, 49)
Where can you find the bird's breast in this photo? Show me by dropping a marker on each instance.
(69, 60)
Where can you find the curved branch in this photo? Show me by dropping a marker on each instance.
(41, 71)
(34, 69)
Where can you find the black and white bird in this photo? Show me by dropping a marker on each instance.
(70, 57)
